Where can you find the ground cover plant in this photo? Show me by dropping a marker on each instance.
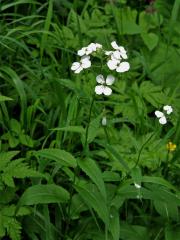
(89, 120)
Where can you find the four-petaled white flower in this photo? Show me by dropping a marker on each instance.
(84, 63)
(92, 47)
(161, 117)
(103, 87)
(120, 49)
(168, 109)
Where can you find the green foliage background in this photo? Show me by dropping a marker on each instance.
(62, 174)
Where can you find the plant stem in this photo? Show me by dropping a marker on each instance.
(87, 127)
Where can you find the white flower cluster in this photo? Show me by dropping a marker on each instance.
(161, 115)
(116, 58)
(84, 53)
(115, 61)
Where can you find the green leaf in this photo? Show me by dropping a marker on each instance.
(26, 140)
(43, 194)
(60, 156)
(76, 129)
(93, 129)
(172, 233)
(159, 181)
(90, 167)
(15, 126)
(4, 98)
(110, 149)
(150, 40)
(114, 224)
(152, 93)
(91, 196)
(167, 210)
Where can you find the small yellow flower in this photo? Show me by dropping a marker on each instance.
(171, 146)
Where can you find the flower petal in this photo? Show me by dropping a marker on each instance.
(98, 45)
(159, 114)
(163, 120)
(82, 52)
(86, 64)
(116, 55)
(114, 45)
(92, 47)
(168, 109)
(110, 80)
(107, 91)
(112, 64)
(85, 58)
(99, 89)
(108, 53)
(75, 66)
(100, 79)
(123, 67)
(78, 70)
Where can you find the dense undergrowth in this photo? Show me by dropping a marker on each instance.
(79, 166)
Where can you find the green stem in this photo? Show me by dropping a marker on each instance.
(87, 127)
(140, 151)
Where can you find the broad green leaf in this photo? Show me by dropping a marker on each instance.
(159, 181)
(43, 194)
(150, 40)
(92, 197)
(90, 167)
(60, 156)
(133, 232)
(168, 211)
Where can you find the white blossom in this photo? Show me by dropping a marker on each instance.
(104, 121)
(117, 65)
(138, 186)
(168, 109)
(92, 47)
(103, 88)
(84, 63)
(161, 117)
(120, 49)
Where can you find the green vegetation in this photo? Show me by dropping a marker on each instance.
(75, 165)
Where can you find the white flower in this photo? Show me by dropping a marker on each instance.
(168, 109)
(102, 88)
(92, 47)
(161, 116)
(138, 186)
(84, 63)
(114, 64)
(120, 49)
(104, 121)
